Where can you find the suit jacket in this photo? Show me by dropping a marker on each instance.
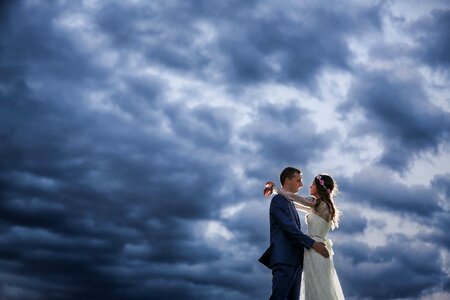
(287, 241)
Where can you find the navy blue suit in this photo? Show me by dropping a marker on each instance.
(285, 253)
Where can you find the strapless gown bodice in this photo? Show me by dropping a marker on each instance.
(317, 226)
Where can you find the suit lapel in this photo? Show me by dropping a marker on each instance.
(294, 213)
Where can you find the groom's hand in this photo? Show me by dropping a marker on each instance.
(268, 189)
(320, 248)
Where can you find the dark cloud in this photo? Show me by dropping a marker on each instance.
(439, 235)
(375, 188)
(432, 35)
(289, 48)
(78, 188)
(441, 183)
(167, 38)
(353, 222)
(251, 224)
(401, 269)
(284, 136)
(119, 180)
(245, 46)
(398, 112)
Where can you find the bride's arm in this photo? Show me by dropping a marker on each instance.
(303, 203)
(305, 209)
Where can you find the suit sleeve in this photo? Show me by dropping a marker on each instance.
(280, 211)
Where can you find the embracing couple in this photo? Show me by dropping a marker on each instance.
(301, 264)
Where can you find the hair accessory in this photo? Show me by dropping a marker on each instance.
(322, 183)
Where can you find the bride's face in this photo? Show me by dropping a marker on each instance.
(313, 189)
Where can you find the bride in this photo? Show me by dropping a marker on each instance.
(319, 279)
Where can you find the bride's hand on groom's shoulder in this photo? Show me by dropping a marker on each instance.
(268, 189)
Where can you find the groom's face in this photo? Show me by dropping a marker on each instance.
(294, 184)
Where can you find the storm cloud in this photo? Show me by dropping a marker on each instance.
(136, 138)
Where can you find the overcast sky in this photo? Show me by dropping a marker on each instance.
(136, 138)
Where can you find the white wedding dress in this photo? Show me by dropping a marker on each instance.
(319, 279)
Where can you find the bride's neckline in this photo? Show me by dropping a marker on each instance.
(315, 214)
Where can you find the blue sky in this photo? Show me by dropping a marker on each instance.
(136, 138)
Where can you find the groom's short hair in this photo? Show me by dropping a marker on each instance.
(288, 172)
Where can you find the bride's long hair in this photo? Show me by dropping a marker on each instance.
(327, 189)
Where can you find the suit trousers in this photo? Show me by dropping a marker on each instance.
(286, 281)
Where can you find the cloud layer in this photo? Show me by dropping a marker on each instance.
(136, 138)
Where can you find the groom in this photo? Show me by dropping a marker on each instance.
(285, 253)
